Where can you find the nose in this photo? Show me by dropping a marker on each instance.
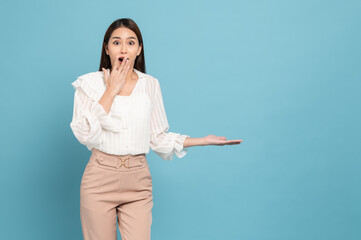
(123, 48)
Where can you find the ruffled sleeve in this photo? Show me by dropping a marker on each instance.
(89, 117)
(165, 144)
(86, 119)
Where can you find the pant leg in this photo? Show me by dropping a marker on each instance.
(98, 217)
(97, 225)
(135, 217)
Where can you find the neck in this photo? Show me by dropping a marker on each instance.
(131, 76)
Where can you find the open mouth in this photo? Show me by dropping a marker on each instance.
(121, 59)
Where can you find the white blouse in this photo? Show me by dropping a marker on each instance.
(133, 124)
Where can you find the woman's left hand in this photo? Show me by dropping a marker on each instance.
(215, 140)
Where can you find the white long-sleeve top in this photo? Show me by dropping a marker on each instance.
(133, 124)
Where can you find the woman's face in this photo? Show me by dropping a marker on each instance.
(123, 43)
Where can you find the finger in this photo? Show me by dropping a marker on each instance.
(234, 141)
(124, 62)
(124, 66)
(230, 143)
(105, 76)
(118, 64)
(115, 63)
(127, 66)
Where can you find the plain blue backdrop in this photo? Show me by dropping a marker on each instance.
(284, 76)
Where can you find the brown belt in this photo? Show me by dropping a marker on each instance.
(118, 161)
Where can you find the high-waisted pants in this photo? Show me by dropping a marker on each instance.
(116, 186)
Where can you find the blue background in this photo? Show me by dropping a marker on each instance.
(284, 76)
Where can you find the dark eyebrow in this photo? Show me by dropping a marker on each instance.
(120, 38)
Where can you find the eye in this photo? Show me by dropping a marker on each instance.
(132, 42)
(115, 42)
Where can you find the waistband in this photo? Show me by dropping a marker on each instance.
(117, 162)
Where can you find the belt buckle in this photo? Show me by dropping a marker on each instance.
(122, 163)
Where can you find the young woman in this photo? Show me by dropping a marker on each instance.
(119, 114)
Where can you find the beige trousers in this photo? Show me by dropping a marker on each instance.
(116, 186)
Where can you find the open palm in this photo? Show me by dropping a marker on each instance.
(215, 140)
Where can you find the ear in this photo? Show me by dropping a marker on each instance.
(106, 49)
(139, 50)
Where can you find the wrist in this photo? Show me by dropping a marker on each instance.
(111, 92)
(203, 141)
